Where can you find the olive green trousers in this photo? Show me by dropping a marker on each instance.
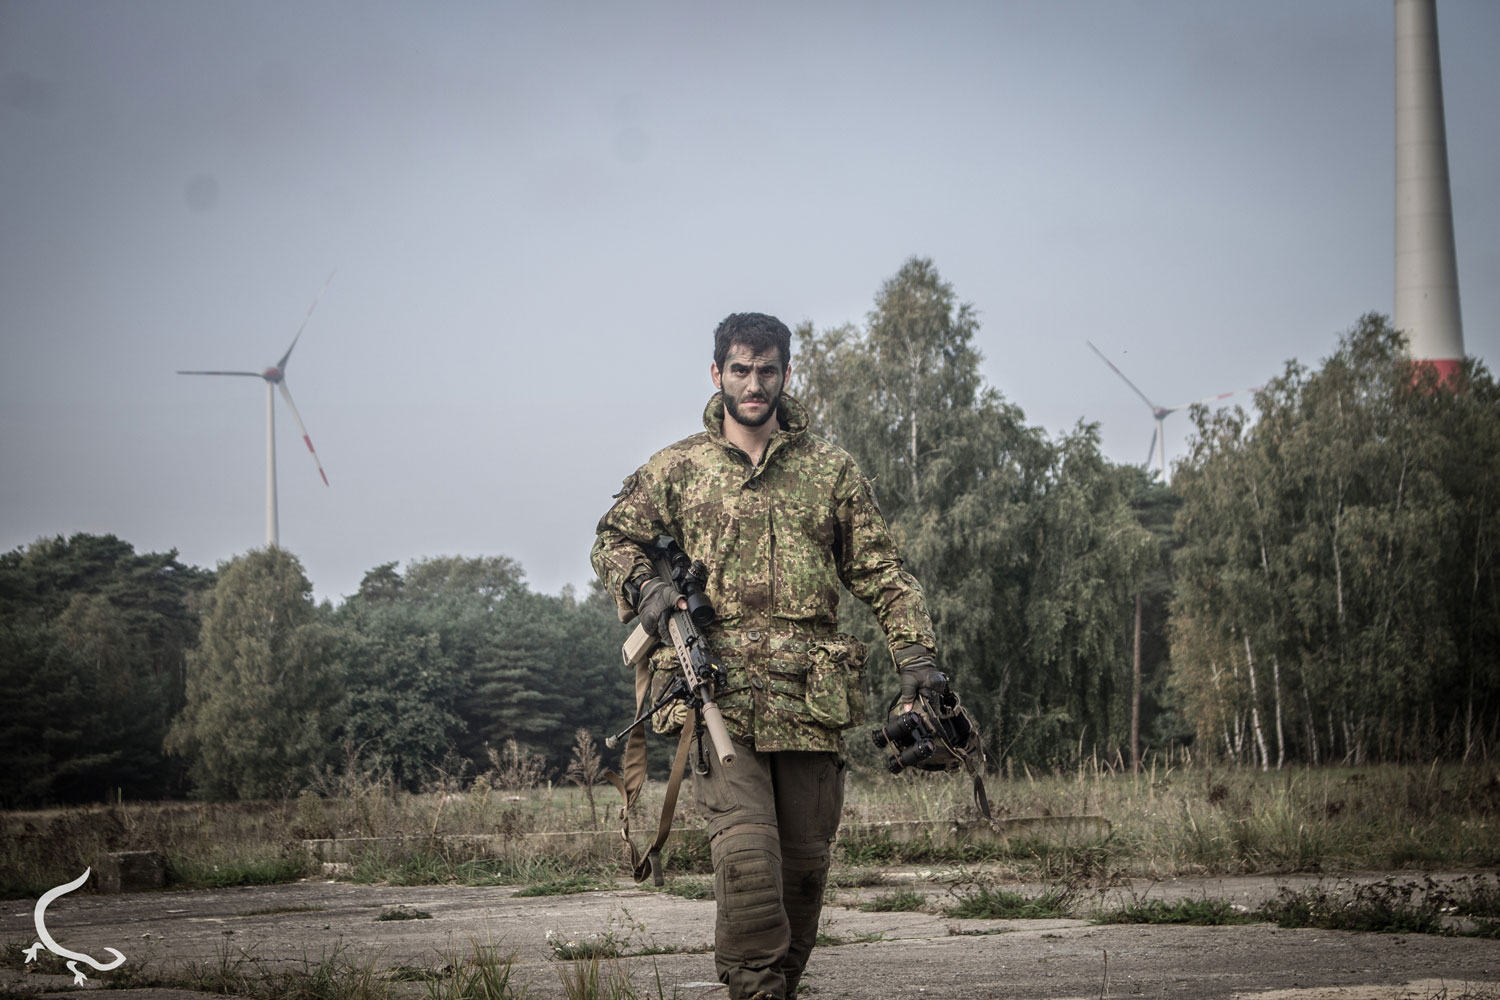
(771, 822)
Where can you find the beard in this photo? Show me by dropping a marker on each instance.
(732, 407)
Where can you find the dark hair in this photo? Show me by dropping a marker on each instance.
(756, 331)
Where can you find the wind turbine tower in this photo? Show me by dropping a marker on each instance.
(1158, 448)
(1426, 262)
(275, 378)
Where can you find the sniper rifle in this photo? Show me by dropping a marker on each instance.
(700, 670)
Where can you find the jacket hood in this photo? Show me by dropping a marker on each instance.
(791, 417)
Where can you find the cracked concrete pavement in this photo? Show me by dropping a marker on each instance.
(880, 955)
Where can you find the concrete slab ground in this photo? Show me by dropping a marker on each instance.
(879, 955)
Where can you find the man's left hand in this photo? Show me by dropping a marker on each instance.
(919, 671)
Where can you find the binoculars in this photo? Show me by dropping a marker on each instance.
(911, 737)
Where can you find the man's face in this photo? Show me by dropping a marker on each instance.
(751, 383)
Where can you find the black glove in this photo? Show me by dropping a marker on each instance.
(919, 671)
(658, 600)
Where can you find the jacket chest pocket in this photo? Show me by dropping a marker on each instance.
(804, 581)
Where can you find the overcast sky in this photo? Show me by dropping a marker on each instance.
(538, 212)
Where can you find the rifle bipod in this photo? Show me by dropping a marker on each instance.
(674, 690)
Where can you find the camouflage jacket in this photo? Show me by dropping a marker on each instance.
(777, 539)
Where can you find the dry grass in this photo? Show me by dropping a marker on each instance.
(1179, 820)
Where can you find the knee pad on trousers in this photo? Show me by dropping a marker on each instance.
(747, 870)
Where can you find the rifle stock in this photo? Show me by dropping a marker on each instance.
(638, 646)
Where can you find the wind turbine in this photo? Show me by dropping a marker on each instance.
(275, 378)
(1160, 413)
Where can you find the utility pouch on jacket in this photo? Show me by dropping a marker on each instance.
(836, 681)
(668, 719)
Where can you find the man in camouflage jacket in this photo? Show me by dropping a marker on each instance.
(780, 518)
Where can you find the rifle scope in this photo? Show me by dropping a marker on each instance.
(689, 578)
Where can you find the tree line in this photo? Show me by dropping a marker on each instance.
(138, 676)
(1316, 585)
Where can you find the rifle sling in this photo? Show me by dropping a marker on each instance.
(980, 798)
(633, 760)
(633, 763)
(649, 864)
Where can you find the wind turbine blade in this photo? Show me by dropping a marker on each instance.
(282, 363)
(1122, 375)
(1151, 451)
(255, 374)
(1212, 399)
(286, 395)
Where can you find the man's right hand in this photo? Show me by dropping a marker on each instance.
(655, 608)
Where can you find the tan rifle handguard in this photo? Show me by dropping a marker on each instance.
(680, 626)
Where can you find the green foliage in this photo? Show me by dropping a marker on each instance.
(224, 870)
(572, 884)
(414, 676)
(984, 902)
(1393, 906)
(459, 653)
(1337, 582)
(262, 683)
(92, 643)
(1386, 907)
(1028, 551)
(401, 687)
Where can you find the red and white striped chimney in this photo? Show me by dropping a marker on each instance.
(1426, 262)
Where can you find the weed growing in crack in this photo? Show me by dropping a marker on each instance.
(1202, 912)
(567, 886)
(623, 937)
(985, 902)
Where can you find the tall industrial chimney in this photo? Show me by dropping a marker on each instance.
(1426, 262)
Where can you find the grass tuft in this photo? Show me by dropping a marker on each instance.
(484, 975)
(567, 886)
(1201, 912)
(987, 903)
(226, 869)
(1386, 907)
